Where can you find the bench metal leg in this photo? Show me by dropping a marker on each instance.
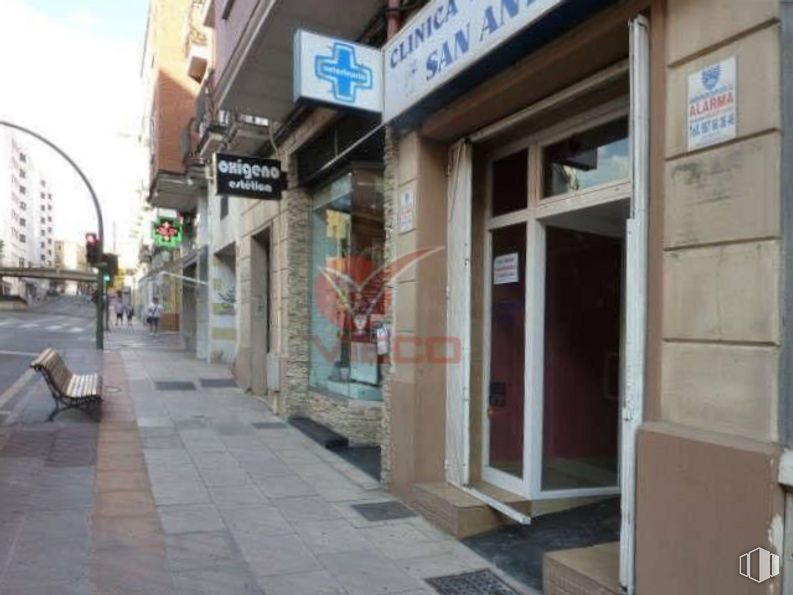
(55, 411)
(91, 409)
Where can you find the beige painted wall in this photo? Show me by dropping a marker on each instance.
(721, 259)
(707, 489)
(418, 388)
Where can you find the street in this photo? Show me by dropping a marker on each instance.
(64, 322)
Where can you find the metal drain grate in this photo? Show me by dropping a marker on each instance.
(383, 511)
(479, 582)
(174, 385)
(217, 383)
(268, 425)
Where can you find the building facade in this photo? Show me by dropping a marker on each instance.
(70, 255)
(26, 209)
(575, 214)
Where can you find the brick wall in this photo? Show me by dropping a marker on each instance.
(175, 92)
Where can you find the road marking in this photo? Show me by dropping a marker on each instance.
(54, 327)
(25, 353)
(30, 325)
(76, 329)
(16, 387)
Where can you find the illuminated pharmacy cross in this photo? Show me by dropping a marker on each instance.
(344, 72)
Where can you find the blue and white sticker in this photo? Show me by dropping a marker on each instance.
(712, 105)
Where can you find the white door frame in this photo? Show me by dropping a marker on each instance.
(537, 211)
(635, 292)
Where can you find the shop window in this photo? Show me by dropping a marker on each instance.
(336, 139)
(347, 298)
(510, 183)
(587, 159)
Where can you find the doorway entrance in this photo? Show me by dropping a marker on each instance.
(556, 209)
(260, 311)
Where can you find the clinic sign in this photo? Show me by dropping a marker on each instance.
(712, 105)
(337, 72)
(249, 177)
(446, 37)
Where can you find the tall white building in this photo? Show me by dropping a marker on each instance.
(26, 215)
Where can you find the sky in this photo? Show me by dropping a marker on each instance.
(70, 70)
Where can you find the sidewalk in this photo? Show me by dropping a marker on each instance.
(188, 489)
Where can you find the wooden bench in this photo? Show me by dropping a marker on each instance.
(70, 390)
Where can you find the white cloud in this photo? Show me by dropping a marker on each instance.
(81, 89)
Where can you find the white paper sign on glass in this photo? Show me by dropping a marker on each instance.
(407, 211)
(505, 269)
(712, 105)
(444, 38)
(337, 72)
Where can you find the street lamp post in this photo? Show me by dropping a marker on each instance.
(100, 339)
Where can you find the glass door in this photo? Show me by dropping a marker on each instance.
(505, 320)
(554, 256)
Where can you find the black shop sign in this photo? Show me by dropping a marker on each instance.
(251, 177)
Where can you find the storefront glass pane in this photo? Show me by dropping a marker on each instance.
(347, 303)
(586, 159)
(507, 346)
(583, 304)
(510, 183)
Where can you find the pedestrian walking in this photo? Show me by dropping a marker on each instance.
(130, 314)
(120, 309)
(153, 315)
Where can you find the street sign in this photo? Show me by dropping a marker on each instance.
(250, 177)
(337, 72)
(445, 38)
(166, 232)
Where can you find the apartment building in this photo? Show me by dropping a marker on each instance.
(70, 255)
(26, 213)
(587, 205)
(172, 187)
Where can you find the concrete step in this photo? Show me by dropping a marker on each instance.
(582, 571)
(460, 513)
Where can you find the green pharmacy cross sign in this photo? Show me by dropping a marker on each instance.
(167, 233)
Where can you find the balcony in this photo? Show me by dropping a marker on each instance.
(196, 44)
(232, 131)
(212, 124)
(188, 144)
(257, 76)
(246, 134)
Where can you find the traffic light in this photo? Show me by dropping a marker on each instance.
(91, 248)
(111, 264)
(106, 278)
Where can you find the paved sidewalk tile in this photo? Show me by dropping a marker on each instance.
(199, 492)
